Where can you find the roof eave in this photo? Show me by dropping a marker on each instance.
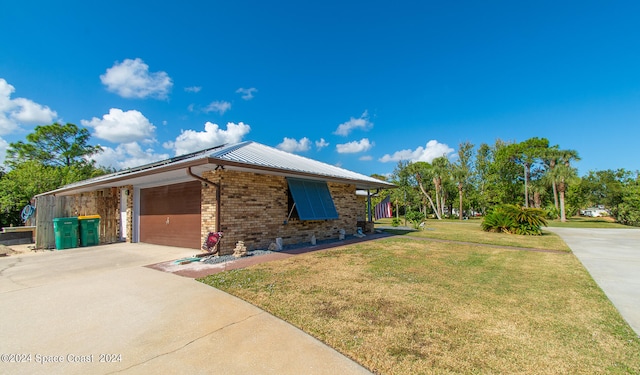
(360, 184)
(124, 177)
(73, 188)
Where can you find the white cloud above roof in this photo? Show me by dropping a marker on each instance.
(132, 79)
(432, 150)
(119, 126)
(293, 145)
(191, 140)
(194, 89)
(321, 144)
(354, 147)
(354, 123)
(14, 112)
(127, 155)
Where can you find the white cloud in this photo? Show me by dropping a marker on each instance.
(217, 106)
(191, 140)
(30, 112)
(433, 150)
(354, 147)
(321, 144)
(127, 155)
(366, 158)
(14, 112)
(193, 89)
(247, 94)
(3, 150)
(122, 127)
(354, 123)
(132, 79)
(291, 145)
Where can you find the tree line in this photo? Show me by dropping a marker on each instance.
(50, 157)
(530, 174)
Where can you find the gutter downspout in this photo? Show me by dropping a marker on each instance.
(217, 186)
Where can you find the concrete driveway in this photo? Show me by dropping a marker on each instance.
(98, 310)
(612, 257)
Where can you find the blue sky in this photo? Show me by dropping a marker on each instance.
(359, 84)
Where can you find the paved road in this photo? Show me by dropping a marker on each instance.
(612, 257)
(76, 306)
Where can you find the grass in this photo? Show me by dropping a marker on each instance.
(404, 306)
(470, 231)
(589, 222)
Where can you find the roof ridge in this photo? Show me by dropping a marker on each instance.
(229, 148)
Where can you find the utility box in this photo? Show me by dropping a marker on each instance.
(66, 232)
(89, 230)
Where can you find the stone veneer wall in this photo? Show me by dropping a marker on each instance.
(254, 208)
(106, 203)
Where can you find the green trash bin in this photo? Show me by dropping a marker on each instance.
(89, 230)
(66, 232)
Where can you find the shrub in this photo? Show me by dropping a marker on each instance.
(552, 212)
(395, 222)
(627, 214)
(415, 217)
(516, 220)
(498, 221)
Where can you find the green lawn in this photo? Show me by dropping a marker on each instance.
(588, 222)
(470, 231)
(407, 306)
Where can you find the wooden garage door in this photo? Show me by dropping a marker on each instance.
(170, 215)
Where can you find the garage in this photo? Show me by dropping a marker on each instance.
(170, 215)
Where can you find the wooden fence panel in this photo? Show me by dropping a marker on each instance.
(48, 207)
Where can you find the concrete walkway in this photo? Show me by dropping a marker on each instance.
(98, 310)
(612, 257)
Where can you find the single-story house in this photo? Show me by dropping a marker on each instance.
(249, 191)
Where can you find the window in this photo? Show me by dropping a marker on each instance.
(312, 199)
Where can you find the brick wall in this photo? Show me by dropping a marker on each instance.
(254, 208)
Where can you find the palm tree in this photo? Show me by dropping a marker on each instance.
(563, 174)
(440, 167)
(462, 170)
(422, 170)
(538, 188)
(526, 154)
(550, 160)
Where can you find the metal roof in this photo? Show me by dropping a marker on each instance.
(258, 155)
(245, 156)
